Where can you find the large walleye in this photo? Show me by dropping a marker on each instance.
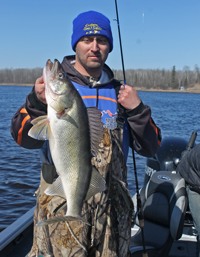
(67, 128)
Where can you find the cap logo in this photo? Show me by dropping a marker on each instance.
(92, 28)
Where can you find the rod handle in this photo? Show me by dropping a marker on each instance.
(141, 219)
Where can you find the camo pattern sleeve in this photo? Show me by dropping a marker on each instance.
(21, 122)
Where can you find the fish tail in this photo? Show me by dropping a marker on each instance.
(62, 219)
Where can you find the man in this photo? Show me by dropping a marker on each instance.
(189, 169)
(127, 119)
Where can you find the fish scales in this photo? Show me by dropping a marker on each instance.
(70, 151)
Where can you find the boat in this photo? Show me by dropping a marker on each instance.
(167, 227)
(17, 239)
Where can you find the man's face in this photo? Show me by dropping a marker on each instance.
(91, 54)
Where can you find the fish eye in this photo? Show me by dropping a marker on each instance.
(61, 75)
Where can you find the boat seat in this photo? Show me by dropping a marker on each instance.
(164, 203)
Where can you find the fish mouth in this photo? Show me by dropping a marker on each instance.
(49, 65)
(54, 69)
(55, 78)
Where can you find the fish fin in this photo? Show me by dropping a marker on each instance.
(61, 219)
(56, 189)
(96, 129)
(97, 184)
(39, 119)
(41, 128)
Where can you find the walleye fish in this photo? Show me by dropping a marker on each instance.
(67, 128)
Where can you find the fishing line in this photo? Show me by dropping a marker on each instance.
(140, 215)
(120, 42)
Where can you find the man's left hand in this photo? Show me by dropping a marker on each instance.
(128, 97)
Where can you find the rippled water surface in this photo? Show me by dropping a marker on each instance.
(19, 167)
(177, 114)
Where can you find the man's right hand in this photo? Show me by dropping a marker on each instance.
(40, 89)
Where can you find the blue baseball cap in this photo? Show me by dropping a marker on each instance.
(91, 23)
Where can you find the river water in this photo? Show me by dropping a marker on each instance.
(177, 114)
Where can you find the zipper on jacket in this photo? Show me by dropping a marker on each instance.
(97, 101)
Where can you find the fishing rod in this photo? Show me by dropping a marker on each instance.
(139, 212)
(120, 42)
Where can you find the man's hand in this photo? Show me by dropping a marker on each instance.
(40, 89)
(128, 97)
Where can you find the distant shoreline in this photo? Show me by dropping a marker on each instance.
(192, 90)
(12, 84)
(188, 90)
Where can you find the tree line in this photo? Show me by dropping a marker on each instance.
(161, 79)
(20, 76)
(143, 78)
